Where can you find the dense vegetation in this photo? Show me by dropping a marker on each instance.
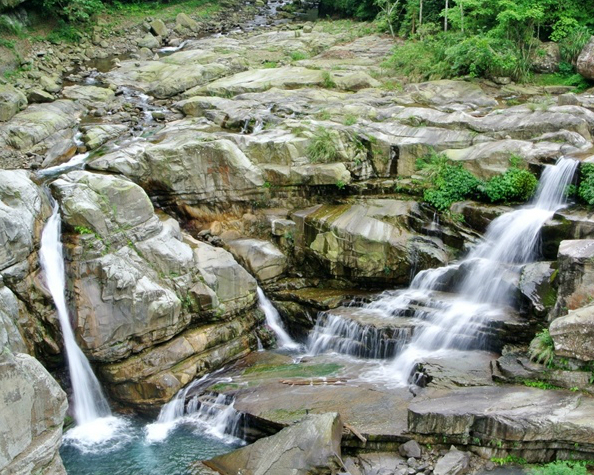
(490, 38)
(450, 182)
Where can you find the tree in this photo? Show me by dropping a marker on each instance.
(389, 12)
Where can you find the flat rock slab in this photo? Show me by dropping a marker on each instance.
(539, 424)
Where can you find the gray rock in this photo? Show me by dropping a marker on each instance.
(11, 102)
(89, 95)
(585, 61)
(158, 28)
(262, 258)
(536, 284)
(546, 58)
(94, 137)
(148, 41)
(410, 449)
(184, 21)
(576, 276)
(454, 462)
(311, 446)
(38, 96)
(31, 417)
(574, 334)
(447, 93)
(50, 84)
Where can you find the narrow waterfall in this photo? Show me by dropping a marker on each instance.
(88, 399)
(274, 321)
(511, 241)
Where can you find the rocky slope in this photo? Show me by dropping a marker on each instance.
(284, 157)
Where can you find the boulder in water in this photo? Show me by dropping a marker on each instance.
(585, 61)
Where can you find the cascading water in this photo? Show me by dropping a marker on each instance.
(214, 416)
(89, 402)
(95, 424)
(450, 321)
(511, 241)
(273, 320)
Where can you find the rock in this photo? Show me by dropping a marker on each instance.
(10, 335)
(40, 122)
(576, 276)
(148, 41)
(94, 137)
(183, 165)
(585, 61)
(283, 227)
(21, 205)
(89, 95)
(410, 449)
(31, 417)
(569, 99)
(264, 260)
(11, 101)
(258, 80)
(308, 447)
(159, 29)
(546, 58)
(184, 21)
(368, 241)
(574, 334)
(353, 81)
(307, 28)
(454, 462)
(38, 96)
(450, 94)
(49, 84)
(542, 423)
(479, 215)
(537, 284)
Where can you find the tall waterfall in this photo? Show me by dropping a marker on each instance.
(273, 320)
(89, 401)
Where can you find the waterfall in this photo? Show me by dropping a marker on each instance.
(274, 321)
(88, 399)
(212, 415)
(510, 241)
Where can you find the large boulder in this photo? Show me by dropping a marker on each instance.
(537, 285)
(573, 334)
(373, 240)
(455, 462)
(11, 102)
(262, 258)
(89, 95)
(31, 416)
(576, 276)
(309, 447)
(585, 61)
(448, 94)
(40, 122)
(188, 168)
(546, 58)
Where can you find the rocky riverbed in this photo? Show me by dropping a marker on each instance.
(200, 161)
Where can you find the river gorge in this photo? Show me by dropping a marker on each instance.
(218, 257)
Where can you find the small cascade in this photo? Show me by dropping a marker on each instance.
(334, 333)
(274, 321)
(211, 415)
(89, 401)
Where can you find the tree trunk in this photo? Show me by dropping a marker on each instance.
(420, 13)
(445, 24)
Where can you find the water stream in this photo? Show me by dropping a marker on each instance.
(274, 321)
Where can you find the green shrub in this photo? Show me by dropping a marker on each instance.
(74, 11)
(322, 147)
(586, 188)
(298, 55)
(513, 185)
(572, 44)
(451, 182)
(542, 348)
(359, 9)
(561, 468)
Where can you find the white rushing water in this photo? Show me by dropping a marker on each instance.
(274, 321)
(212, 416)
(95, 424)
(510, 241)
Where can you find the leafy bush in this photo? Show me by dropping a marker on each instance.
(322, 147)
(561, 468)
(572, 44)
(586, 188)
(451, 182)
(359, 9)
(74, 11)
(542, 348)
(513, 185)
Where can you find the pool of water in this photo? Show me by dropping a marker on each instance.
(129, 453)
